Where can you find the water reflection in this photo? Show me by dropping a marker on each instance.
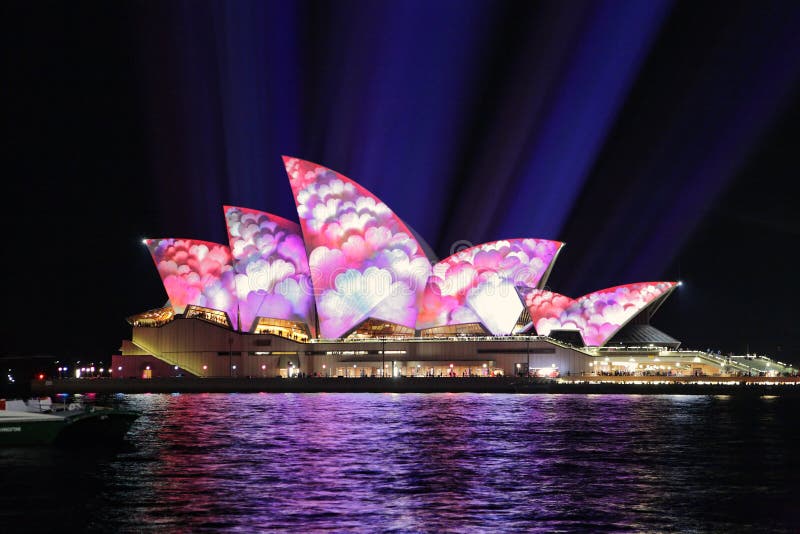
(444, 463)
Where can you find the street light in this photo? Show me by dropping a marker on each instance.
(230, 355)
(528, 352)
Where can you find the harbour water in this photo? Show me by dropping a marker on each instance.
(422, 463)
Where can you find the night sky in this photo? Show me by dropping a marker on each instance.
(657, 139)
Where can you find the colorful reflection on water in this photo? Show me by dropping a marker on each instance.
(431, 463)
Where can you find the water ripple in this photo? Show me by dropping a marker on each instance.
(422, 463)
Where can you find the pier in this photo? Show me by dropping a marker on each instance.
(577, 385)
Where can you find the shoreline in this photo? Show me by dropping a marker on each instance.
(587, 385)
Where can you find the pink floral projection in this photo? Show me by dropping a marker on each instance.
(198, 273)
(599, 315)
(351, 258)
(364, 261)
(271, 268)
(479, 284)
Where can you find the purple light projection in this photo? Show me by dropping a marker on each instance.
(364, 261)
(598, 315)
(479, 284)
(198, 273)
(272, 278)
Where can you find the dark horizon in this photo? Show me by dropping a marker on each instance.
(655, 138)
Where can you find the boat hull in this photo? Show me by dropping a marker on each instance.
(30, 432)
(96, 428)
(92, 427)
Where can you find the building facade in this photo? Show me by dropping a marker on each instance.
(350, 291)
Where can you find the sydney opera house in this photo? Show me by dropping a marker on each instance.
(351, 291)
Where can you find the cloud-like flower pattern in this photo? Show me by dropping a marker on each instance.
(356, 260)
(478, 283)
(198, 273)
(271, 267)
(598, 315)
(355, 245)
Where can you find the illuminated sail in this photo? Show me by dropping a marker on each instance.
(598, 315)
(364, 261)
(479, 284)
(271, 268)
(198, 273)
